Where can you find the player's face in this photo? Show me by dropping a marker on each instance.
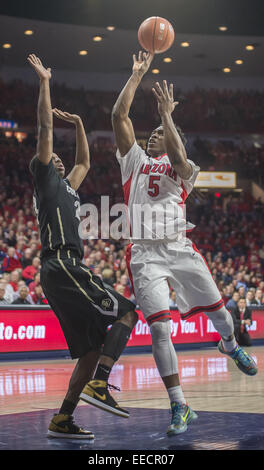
(156, 143)
(59, 167)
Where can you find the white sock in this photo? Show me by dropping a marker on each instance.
(229, 345)
(176, 394)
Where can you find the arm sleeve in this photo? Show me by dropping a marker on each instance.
(134, 158)
(46, 179)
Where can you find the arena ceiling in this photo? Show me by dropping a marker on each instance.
(243, 17)
(62, 28)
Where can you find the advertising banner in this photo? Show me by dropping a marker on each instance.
(216, 179)
(38, 329)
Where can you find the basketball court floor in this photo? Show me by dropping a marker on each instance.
(230, 405)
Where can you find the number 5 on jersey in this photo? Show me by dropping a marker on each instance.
(153, 186)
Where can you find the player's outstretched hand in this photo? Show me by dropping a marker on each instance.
(35, 62)
(142, 63)
(166, 103)
(73, 118)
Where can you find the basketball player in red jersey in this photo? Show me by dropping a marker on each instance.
(163, 178)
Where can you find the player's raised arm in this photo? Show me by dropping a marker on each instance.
(82, 157)
(173, 143)
(122, 125)
(44, 113)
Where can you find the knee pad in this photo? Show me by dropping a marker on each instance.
(163, 350)
(116, 340)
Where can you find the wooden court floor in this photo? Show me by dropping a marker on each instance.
(230, 404)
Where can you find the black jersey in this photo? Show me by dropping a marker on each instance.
(57, 206)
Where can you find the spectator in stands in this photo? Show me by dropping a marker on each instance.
(226, 276)
(9, 293)
(173, 303)
(261, 286)
(97, 271)
(11, 261)
(259, 297)
(10, 238)
(26, 259)
(242, 291)
(34, 248)
(250, 298)
(124, 282)
(120, 289)
(261, 254)
(229, 290)
(22, 283)
(34, 283)
(3, 249)
(242, 319)
(3, 301)
(253, 282)
(22, 298)
(240, 281)
(29, 272)
(38, 296)
(123, 266)
(108, 276)
(20, 247)
(14, 279)
(232, 303)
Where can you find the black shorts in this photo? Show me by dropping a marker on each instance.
(84, 305)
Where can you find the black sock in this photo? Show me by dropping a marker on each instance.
(67, 407)
(102, 372)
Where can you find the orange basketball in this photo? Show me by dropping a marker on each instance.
(156, 34)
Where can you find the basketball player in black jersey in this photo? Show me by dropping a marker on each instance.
(84, 306)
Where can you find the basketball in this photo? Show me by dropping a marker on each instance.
(156, 35)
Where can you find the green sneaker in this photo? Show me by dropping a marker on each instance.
(181, 416)
(242, 359)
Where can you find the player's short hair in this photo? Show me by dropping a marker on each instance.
(181, 134)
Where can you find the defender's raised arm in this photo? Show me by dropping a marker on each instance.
(44, 112)
(82, 156)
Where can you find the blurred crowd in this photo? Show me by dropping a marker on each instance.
(247, 159)
(218, 155)
(199, 109)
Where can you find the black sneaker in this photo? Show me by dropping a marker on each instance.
(63, 426)
(96, 393)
